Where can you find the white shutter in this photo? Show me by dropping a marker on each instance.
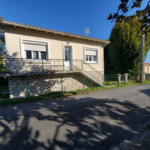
(88, 52)
(91, 51)
(35, 47)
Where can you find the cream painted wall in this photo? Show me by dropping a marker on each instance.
(145, 69)
(55, 42)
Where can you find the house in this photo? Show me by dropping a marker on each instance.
(48, 60)
(147, 67)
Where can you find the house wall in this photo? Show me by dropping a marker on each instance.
(147, 68)
(40, 84)
(55, 44)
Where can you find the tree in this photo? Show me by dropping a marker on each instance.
(124, 49)
(2, 47)
(126, 6)
(107, 65)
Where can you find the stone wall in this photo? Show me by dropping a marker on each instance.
(40, 84)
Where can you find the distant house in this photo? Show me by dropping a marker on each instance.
(41, 55)
(147, 67)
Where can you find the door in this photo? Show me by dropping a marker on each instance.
(67, 57)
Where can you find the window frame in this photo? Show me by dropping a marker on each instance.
(92, 49)
(28, 41)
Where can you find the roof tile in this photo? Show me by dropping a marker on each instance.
(59, 32)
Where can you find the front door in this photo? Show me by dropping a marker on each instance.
(67, 55)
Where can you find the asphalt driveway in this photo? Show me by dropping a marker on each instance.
(95, 121)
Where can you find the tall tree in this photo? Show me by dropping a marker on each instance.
(2, 44)
(125, 6)
(124, 49)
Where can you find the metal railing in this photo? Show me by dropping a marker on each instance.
(147, 76)
(21, 65)
(110, 80)
(88, 69)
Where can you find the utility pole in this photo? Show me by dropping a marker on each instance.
(142, 74)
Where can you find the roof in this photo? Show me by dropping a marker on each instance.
(52, 31)
(147, 64)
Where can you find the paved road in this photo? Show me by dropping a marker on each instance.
(95, 121)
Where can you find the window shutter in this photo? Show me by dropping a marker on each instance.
(35, 47)
(89, 51)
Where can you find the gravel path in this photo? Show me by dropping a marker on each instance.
(96, 121)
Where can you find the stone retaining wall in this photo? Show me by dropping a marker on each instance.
(40, 84)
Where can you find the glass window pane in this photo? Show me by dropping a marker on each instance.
(67, 55)
(90, 58)
(35, 55)
(28, 55)
(94, 58)
(43, 55)
(86, 57)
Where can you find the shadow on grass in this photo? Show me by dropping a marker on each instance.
(70, 123)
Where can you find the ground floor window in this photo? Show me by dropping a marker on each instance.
(43, 55)
(28, 54)
(91, 55)
(34, 50)
(35, 55)
(90, 58)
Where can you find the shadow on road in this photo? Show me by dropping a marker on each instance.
(70, 124)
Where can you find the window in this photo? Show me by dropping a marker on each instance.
(43, 55)
(28, 54)
(35, 55)
(90, 58)
(91, 55)
(34, 50)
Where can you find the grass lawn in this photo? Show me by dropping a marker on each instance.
(51, 95)
(3, 69)
(107, 83)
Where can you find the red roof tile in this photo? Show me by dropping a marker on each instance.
(63, 33)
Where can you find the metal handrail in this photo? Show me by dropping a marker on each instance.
(92, 67)
(23, 65)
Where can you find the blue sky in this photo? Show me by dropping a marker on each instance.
(65, 15)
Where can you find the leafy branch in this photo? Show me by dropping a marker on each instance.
(125, 7)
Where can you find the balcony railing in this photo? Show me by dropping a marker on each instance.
(23, 66)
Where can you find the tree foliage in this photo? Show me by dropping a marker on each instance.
(125, 47)
(125, 6)
(2, 45)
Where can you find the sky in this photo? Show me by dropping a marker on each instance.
(71, 16)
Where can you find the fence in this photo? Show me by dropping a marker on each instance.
(147, 76)
(122, 80)
(36, 85)
(131, 78)
(110, 80)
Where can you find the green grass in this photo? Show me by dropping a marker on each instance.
(3, 69)
(110, 83)
(48, 96)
